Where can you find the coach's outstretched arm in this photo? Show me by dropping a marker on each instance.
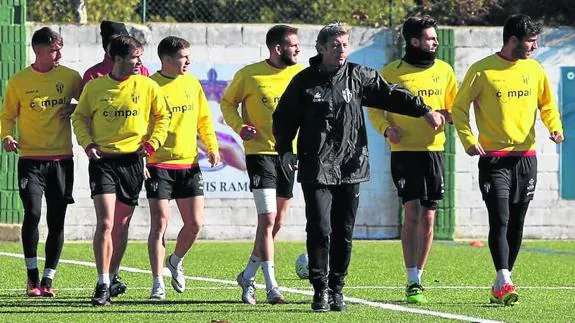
(380, 94)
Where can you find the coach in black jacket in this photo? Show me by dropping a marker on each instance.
(324, 102)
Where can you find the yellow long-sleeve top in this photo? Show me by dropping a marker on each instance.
(33, 101)
(115, 115)
(190, 116)
(258, 88)
(506, 96)
(436, 85)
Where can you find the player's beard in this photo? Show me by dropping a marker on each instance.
(287, 60)
(519, 52)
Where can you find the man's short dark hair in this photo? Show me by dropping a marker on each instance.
(520, 26)
(46, 36)
(413, 27)
(122, 45)
(171, 45)
(277, 34)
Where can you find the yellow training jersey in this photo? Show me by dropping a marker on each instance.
(506, 96)
(33, 101)
(258, 88)
(190, 116)
(115, 115)
(436, 85)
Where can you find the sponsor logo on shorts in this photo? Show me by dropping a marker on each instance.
(486, 187)
(531, 186)
(92, 185)
(153, 185)
(23, 183)
(256, 180)
(401, 183)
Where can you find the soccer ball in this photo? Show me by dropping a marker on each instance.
(301, 266)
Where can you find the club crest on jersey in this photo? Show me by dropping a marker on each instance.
(59, 87)
(435, 78)
(135, 98)
(525, 79)
(347, 96)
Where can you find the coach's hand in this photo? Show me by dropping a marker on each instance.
(213, 158)
(93, 152)
(146, 149)
(446, 115)
(248, 132)
(556, 137)
(435, 119)
(393, 133)
(10, 144)
(475, 150)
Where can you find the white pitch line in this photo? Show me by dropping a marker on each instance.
(355, 300)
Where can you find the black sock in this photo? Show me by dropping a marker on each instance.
(33, 275)
(47, 282)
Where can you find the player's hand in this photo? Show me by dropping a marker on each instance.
(146, 173)
(213, 158)
(145, 150)
(248, 132)
(475, 150)
(446, 115)
(556, 137)
(393, 133)
(288, 161)
(93, 152)
(10, 144)
(435, 119)
(67, 111)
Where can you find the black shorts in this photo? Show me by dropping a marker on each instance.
(265, 172)
(511, 177)
(54, 178)
(418, 175)
(174, 183)
(123, 175)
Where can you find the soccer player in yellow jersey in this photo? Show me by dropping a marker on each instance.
(37, 100)
(416, 149)
(258, 88)
(174, 170)
(507, 89)
(112, 124)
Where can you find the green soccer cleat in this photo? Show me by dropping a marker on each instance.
(414, 294)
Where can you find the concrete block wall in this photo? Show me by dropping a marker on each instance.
(549, 217)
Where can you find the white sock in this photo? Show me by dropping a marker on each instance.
(175, 260)
(104, 279)
(49, 273)
(419, 273)
(252, 267)
(31, 263)
(269, 274)
(503, 277)
(412, 275)
(158, 280)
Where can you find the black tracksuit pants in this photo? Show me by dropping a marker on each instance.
(330, 213)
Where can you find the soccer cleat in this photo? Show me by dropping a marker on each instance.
(320, 301)
(336, 302)
(101, 295)
(158, 292)
(178, 279)
(493, 296)
(248, 289)
(117, 287)
(275, 296)
(33, 289)
(47, 291)
(506, 295)
(414, 294)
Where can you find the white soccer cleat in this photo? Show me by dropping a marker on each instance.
(275, 296)
(248, 289)
(178, 279)
(158, 292)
